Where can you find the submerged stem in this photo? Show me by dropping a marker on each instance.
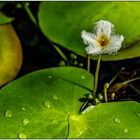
(114, 78)
(97, 75)
(30, 13)
(131, 80)
(60, 52)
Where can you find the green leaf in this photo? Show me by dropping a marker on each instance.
(45, 98)
(45, 104)
(108, 120)
(74, 17)
(5, 19)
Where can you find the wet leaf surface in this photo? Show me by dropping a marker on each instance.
(45, 104)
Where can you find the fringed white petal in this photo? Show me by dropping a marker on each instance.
(115, 44)
(104, 28)
(93, 49)
(93, 42)
(88, 38)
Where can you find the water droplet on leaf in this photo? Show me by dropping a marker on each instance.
(8, 114)
(22, 136)
(55, 97)
(117, 120)
(49, 76)
(23, 109)
(47, 104)
(25, 121)
(83, 77)
(125, 131)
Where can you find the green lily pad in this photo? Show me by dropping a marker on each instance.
(108, 120)
(45, 98)
(74, 17)
(45, 104)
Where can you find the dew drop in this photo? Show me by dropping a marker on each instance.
(125, 131)
(25, 121)
(117, 120)
(22, 136)
(83, 77)
(47, 104)
(55, 97)
(49, 76)
(23, 109)
(8, 114)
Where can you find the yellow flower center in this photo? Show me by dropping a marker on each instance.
(103, 41)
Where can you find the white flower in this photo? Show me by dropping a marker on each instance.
(103, 41)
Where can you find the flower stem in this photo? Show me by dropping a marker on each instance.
(88, 62)
(96, 75)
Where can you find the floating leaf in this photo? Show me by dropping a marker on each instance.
(45, 104)
(74, 17)
(47, 96)
(109, 120)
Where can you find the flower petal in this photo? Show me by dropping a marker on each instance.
(88, 37)
(93, 49)
(90, 40)
(115, 44)
(104, 41)
(104, 27)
